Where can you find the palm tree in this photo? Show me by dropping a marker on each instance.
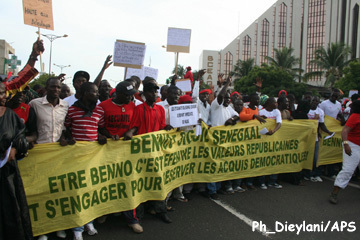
(242, 68)
(331, 62)
(284, 60)
(180, 71)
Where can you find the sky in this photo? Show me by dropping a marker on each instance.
(93, 26)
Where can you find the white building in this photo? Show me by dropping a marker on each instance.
(303, 25)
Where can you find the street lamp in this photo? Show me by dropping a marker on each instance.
(51, 38)
(62, 66)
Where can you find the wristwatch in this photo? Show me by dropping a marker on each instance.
(345, 142)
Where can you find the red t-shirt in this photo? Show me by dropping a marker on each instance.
(117, 118)
(84, 128)
(22, 111)
(354, 123)
(148, 119)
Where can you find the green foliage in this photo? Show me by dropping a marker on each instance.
(331, 61)
(242, 68)
(274, 80)
(41, 79)
(181, 71)
(351, 79)
(284, 60)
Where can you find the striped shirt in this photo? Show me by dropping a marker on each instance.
(84, 128)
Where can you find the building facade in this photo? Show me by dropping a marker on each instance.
(5, 50)
(303, 25)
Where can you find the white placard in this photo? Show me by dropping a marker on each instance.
(151, 72)
(183, 115)
(184, 85)
(135, 72)
(264, 131)
(352, 92)
(129, 54)
(143, 72)
(179, 37)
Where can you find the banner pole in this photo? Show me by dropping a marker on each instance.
(41, 63)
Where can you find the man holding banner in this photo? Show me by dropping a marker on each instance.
(150, 117)
(118, 114)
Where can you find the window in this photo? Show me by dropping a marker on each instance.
(246, 48)
(264, 43)
(355, 28)
(316, 32)
(228, 63)
(282, 26)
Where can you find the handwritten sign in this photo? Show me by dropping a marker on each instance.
(184, 85)
(38, 13)
(143, 72)
(182, 115)
(151, 72)
(178, 40)
(129, 54)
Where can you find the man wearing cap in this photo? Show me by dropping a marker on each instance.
(150, 117)
(81, 77)
(118, 113)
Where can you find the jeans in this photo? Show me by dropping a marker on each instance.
(213, 187)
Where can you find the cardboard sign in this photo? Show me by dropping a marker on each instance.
(143, 72)
(178, 40)
(129, 54)
(184, 84)
(183, 115)
(38, 13)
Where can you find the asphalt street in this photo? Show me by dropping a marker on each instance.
(234, 216)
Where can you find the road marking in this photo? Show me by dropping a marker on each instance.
(243, 218)
(349, 184)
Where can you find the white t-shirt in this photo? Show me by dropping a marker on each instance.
(274, 114)
(204, 111)
(219, 114)
(311, 115)
(330, 109)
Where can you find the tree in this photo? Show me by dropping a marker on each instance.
(41, 79)
(274, 80)
(180, 71)
(284, 60)
(242, 68)
(351, 79)
(331, 62)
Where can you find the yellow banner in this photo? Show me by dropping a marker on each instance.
(70, 186)
(330, 150)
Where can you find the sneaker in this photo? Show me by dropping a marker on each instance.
(78, 236)
(263, 186)
(137, 228)
(61, 234)
(43, 237)
(333, 198)
(239, 189)
(275, 185)
(214, 196)
(251, 187)
(319, 179)
(306, 178)
(91, 229)
(229, 190)
(313, 179)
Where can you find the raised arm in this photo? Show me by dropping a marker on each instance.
(221, 95)
(107, 64)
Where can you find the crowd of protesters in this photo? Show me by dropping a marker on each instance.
(98, 112)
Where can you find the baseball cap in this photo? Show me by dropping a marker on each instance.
(125, 87)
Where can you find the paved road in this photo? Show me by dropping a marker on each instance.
(232, 216)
